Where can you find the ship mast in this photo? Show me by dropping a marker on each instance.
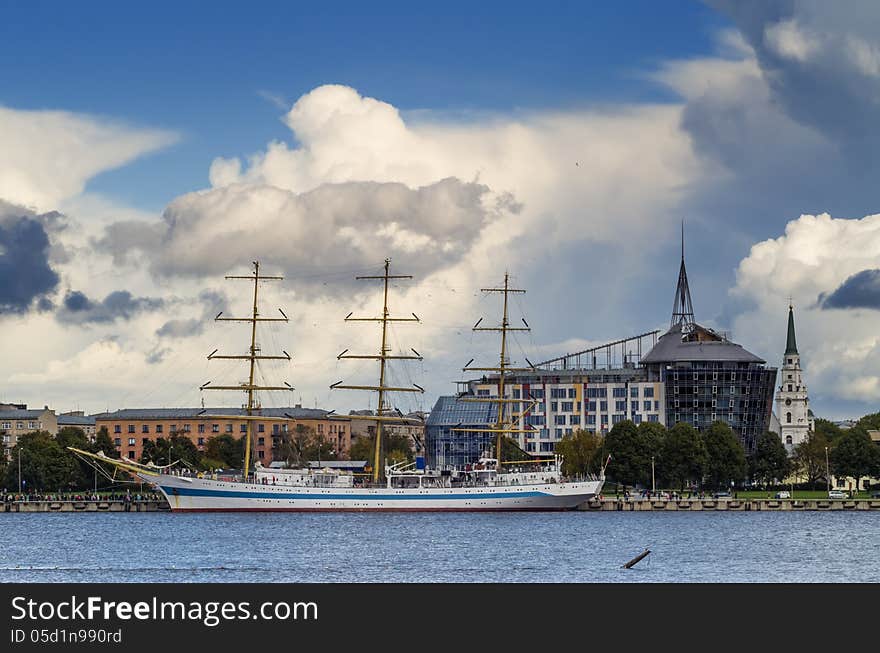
(502, 424)
(252, 357)
(383, 356)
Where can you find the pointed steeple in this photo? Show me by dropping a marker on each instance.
(682, 308)
(790, 343)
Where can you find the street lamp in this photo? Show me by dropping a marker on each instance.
(653, 484)
(827, 472)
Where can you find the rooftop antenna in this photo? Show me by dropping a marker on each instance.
(682, 307)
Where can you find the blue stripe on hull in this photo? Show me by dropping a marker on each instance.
(229, 494)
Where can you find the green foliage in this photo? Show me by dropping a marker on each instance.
(829, 430)
(71, 436)
(629, 464)
(770, 462)
(854, 454)
(303, 445)
(809, 456)
(103, 442)
(869, 422)
(164, 451)
(725, 457)
(223, 451)
(396, 447)
(45, 465)
(684, 455)
(581, 453)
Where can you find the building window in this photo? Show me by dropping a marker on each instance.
(131, 454)
(537, 393)
(788, 418)
(603, 406)
(243, 428)
(131, 428)
(620, 405)
(186, 428)
(261, 441)
(229, 428)
(144, 441)
(554, 406)
(618, 392)
(131, 442)
(482, 393)
(634, 392)
(649, 392)
(260, 453)
(215, 428)
(159, 428)
(591, 420)
(173, 429)
(275, 430)
(557, 393)
(145, 428)
(201, 441)
(559, 420)
(201, 428)
(787, 439)
(261, 428)
(790, 361)
(653, 418)
(789, 387)
(567, 406)
(117, 428)
(574, 419)
(646, 406)
(117, 442)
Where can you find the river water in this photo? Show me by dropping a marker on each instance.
(431, 547)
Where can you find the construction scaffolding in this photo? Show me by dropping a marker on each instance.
(611, 355)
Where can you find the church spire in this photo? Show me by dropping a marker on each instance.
(682, 308)
(790, 343)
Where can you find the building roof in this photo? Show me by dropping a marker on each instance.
(450, 411)
(22, 414)
(76, 420)
(790, 342)
(195, 413)
(706, 345)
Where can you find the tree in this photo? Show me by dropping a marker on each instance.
(725, 457)
(628, 461)
(684, 455)
(71, 436)
(397, 448)
(45, 466)
(854, 455)
(653, 436)
(770, 461)
(581, 453)
(104, 443)
(223, 451)
(809, 457)
(830, 430)
(165, 452)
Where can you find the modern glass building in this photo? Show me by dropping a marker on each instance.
(708, 378)
(446, 447)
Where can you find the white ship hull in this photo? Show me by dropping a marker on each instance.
(186, 494)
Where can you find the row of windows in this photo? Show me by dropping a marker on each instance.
(200, 441)
(570, 393)
(215, 428)
(20, 425)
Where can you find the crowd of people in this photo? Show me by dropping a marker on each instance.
(125, 497)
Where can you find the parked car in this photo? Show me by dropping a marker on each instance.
(783, 494)
(722, 495)
(875, 494)
(837, 494)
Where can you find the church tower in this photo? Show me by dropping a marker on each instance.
(792, 403)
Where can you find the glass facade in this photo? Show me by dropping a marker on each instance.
(738, 393)
(448, 448)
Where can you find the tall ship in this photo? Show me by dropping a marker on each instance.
(487, 484)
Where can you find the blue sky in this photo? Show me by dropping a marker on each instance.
(565, 141)
(206, 70)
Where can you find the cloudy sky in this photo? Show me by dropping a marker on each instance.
(147, 152)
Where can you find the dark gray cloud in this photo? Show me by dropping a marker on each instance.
(212, 303)
(861, 290)
(821, 62)
(304, 234)
(25, 273)
(78, 308)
